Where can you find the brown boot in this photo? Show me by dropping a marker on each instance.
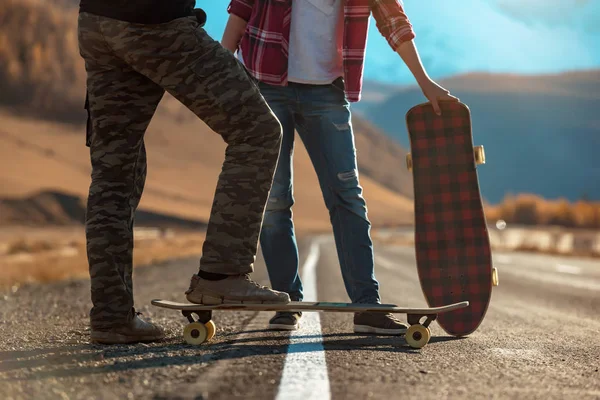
(285, 321)
(234, 289)
(138, 330)
(378, 323)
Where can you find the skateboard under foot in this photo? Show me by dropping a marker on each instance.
(201, 328)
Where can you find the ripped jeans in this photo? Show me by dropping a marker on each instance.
(321, 115)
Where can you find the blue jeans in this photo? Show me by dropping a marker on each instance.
(321, 115)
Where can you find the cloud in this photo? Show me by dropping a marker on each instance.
(577, 14)
(457, 36)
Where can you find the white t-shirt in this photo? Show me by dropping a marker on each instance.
(316, 41)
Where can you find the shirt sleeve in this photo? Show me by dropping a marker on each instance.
(241, 8)
(392, 22)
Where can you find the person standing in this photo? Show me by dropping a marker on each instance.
(134, 51)
(307, 57)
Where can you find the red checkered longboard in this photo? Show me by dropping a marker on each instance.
(451, 238)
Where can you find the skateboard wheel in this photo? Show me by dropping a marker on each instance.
(495, 281)
(195, 333)
(417, 336)
(479, 154)
(212, 329)
(409, 162)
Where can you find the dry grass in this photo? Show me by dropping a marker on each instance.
(25, 260)
(29, 247)
(528, 209)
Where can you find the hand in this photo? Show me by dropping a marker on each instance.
(435, 93)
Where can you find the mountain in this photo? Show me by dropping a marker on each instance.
(541, 133)
(44, 164)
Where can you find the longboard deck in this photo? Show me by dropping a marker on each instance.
(310, 306)
(451, 239)
(203, 328)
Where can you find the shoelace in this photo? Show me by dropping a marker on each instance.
(247, 277)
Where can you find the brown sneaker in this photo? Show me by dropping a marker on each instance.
(379, 323)
(235, 289)
(138, 330)
(285, 321)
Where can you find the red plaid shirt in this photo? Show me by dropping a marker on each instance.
(265, 43)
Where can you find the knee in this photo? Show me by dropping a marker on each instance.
(279, 202)
(262, 139)
(117, 167)
(273, 132)
(345, 191)
(112, 172)
(278, 210)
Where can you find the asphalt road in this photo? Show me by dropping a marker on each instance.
(540, 339)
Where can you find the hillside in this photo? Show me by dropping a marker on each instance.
(44, 164)
(39, 60)
(541, 134)
(184, 162)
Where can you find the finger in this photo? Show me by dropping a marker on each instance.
(436, 106)
(450, 97)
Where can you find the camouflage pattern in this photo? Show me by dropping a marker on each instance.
(129, 68)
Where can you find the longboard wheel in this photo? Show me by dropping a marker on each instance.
(495, 279)
(417, 336)
(195, 333)
(212, 329)
(479, 154)
(409, 162)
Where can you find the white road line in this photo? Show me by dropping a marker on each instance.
(305, 370)
(568, 269)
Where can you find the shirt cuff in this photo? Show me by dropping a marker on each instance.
(396, 38)
(241, 8)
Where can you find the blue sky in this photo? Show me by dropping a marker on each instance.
(458, 36)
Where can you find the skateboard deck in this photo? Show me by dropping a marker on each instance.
(451, 239)
(203, 328)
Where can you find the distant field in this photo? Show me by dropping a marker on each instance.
(527, 209)
(51, 254)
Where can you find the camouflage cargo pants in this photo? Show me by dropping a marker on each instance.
(129, 67)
